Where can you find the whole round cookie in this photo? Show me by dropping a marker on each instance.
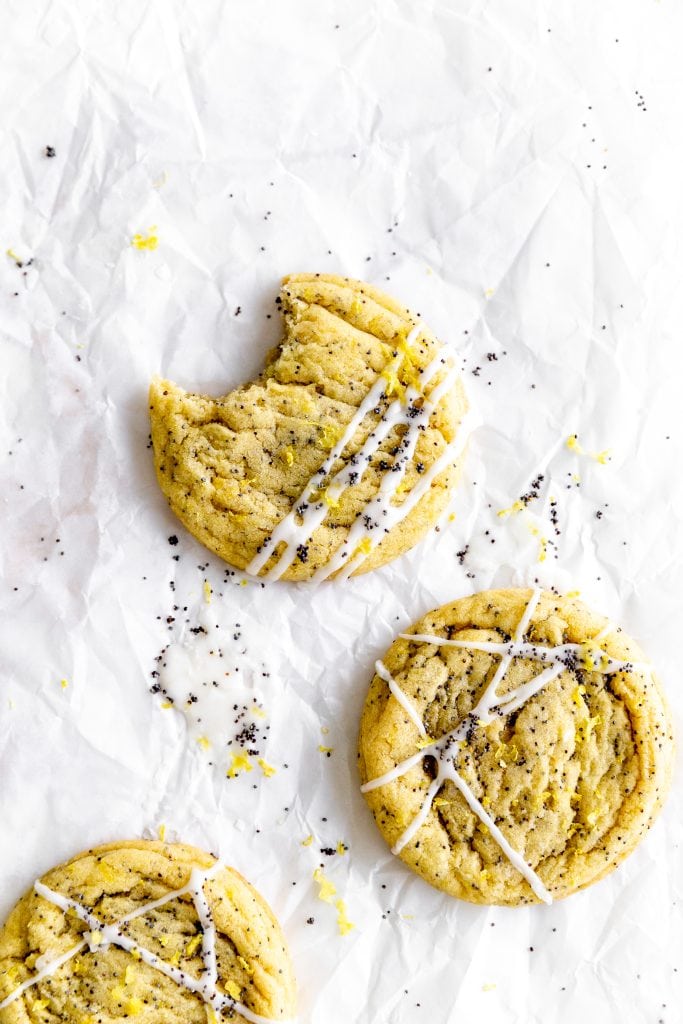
(514, 747)
(160, 932)
(338, 458)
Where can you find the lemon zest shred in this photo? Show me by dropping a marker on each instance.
(267, 769)
(245, 965)
(343, 923)
(516, 506)
(327, 889)
(239, 763)
(147, 242)
(308, 840)
(204, 743)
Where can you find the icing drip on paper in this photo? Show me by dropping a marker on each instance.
(310, 509)
(101, 935)
(490, 706)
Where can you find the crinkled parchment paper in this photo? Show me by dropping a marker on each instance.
(510, 170)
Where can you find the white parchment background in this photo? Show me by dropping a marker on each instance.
(512, 170)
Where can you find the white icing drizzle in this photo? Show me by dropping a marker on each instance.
(102, 935)
(489, 706)
(384, 673)
(383, 515)
(567, 654)
(309, 512)
(45, 971)
(287, 530)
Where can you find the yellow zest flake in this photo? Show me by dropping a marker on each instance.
(506, 752)
(578, 694)
(243, 583)
(307, 841)
(341, 848)
(233, 989)
(593, 656)
(451, 517)
(208, 591)
(240, 763)
(175, 959)
(516, 506)
(106, 870)
(193, 945)
(17, 259)
(267, 769)
(356, 306)
(329, 435)
(489, 987)
(211, 1015)
(245, 965)
(602, 457)
(161, 832)
(426, 741)
(365, 547)
(543, 549)
(257, 711)
(134, 1006)
(343, 923)
(39, 1004)
(439, 801)
(489, 292)
(135, 954)
(483, 828)
(484, 876)
(394, 385)
(129, 974)
(163, 940)
(486, 802)
(574, 799)
(325, 750)
(146, 242)
(95, 938)
(63, 683)
(166, 704)
(118, 992)
(204, 743)
(573, 593)
(288, 456)
(327, 888)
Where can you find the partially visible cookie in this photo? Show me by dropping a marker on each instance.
(159, 932)
(338, 458)
(514, 747)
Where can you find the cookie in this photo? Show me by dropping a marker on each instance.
(514, 747)
(160, 932)
(338, 458)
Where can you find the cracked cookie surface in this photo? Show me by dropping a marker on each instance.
(235, 469)
(105, 982)
(571, 775)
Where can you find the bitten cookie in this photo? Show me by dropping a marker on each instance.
(162, 933)
(514, 747)
(338, 458)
